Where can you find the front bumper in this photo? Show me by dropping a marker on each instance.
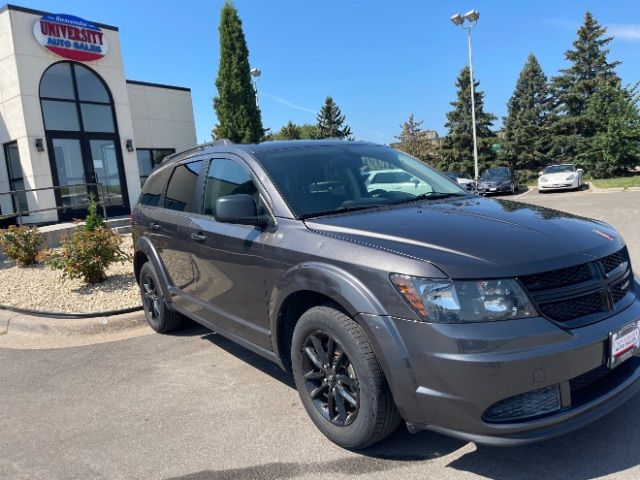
(559, 185)
(446, 377)
(495, 189)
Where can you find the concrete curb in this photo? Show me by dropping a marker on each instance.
(32, 325)
(614, 189)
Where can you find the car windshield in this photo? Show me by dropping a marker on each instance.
(559, 169)
(495, 172)
(326, 179)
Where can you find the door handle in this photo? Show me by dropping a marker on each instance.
(154, 226)
(198, 237)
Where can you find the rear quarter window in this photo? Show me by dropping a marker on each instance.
(153, 188)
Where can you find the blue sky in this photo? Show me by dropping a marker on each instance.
(380, 60)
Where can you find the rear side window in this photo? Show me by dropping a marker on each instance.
(227, 177)
(153, 188)
(181, 190)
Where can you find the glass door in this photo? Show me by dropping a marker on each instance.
(80, 159)
(106, 171)
(70, 174)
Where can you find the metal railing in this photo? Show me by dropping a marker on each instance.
(19, 213)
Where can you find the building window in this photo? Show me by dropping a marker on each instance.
(148, 158)
(16, 178)
(73, 96)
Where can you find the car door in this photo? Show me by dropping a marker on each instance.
(227, 258)
(172, 226)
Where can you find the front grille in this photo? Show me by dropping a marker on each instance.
(611, 262)
(558, 278)
(620, 289)
(574, 307)
(581, 294)
(525, 406)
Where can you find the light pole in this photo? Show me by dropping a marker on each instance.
(255, 73)
(468, 21)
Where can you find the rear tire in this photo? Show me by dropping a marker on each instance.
(159, 316)
(339, 380)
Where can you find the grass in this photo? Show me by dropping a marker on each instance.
(617, 182)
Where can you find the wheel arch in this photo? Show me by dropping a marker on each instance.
(146, 252)
(309, 285)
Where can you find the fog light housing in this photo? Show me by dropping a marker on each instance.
(525, 406)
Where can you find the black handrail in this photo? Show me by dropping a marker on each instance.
(19, 214)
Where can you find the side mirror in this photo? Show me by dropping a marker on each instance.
(580, 170)
(540, 173)
(240, 209)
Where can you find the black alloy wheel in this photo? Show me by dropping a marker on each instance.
(159, 316)
(150, 297)
(330, 378)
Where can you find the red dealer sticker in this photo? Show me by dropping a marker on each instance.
(71, 37)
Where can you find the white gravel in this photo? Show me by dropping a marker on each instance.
(41, 288)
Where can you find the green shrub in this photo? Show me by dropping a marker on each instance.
(88, 253)
(93, 220)
(21, 244)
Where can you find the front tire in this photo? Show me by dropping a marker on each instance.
(159, 316)
(339, 380)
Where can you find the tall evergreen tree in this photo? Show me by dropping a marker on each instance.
(614, 148)
(331, 121)
(457, 147)
(590, 70)
(236, 107)
(413, 140)
(527, 125)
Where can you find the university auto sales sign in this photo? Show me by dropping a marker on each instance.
(71, 37)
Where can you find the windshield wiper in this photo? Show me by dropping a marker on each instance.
(430, 196)
(339, 210)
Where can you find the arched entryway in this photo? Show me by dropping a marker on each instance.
(82, 139)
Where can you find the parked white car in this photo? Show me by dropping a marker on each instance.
(560, 177)
(395, 180)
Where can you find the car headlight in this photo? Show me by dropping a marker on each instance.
(505, 183)
(543, 179)
(570, 177)
(457, 301)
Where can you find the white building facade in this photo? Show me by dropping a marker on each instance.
(70, 120)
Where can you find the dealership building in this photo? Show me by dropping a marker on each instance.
(71, 124)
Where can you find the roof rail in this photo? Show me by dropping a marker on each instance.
(202, 146)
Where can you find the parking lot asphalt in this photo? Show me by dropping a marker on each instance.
(620, 209)
(194, 406)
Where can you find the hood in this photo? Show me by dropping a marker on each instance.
(559, 176)
(506, 178)
(477, 237)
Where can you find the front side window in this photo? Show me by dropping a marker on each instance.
(182, 186)
(325, 179)
(226, 177)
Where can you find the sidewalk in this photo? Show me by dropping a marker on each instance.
(18, 330)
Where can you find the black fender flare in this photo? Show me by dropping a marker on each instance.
(333, 282)
(145, 246)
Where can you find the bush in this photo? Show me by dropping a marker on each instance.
(21, 244)
(93, 220)
(88, 253)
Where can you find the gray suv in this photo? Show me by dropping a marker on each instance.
(492, 321)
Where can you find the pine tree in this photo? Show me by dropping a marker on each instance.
(589, 71)
(457, 148)
(290, 131)
(331, 121)
(614, 148)
(413, 140)
(527, 124)
(238, 114)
